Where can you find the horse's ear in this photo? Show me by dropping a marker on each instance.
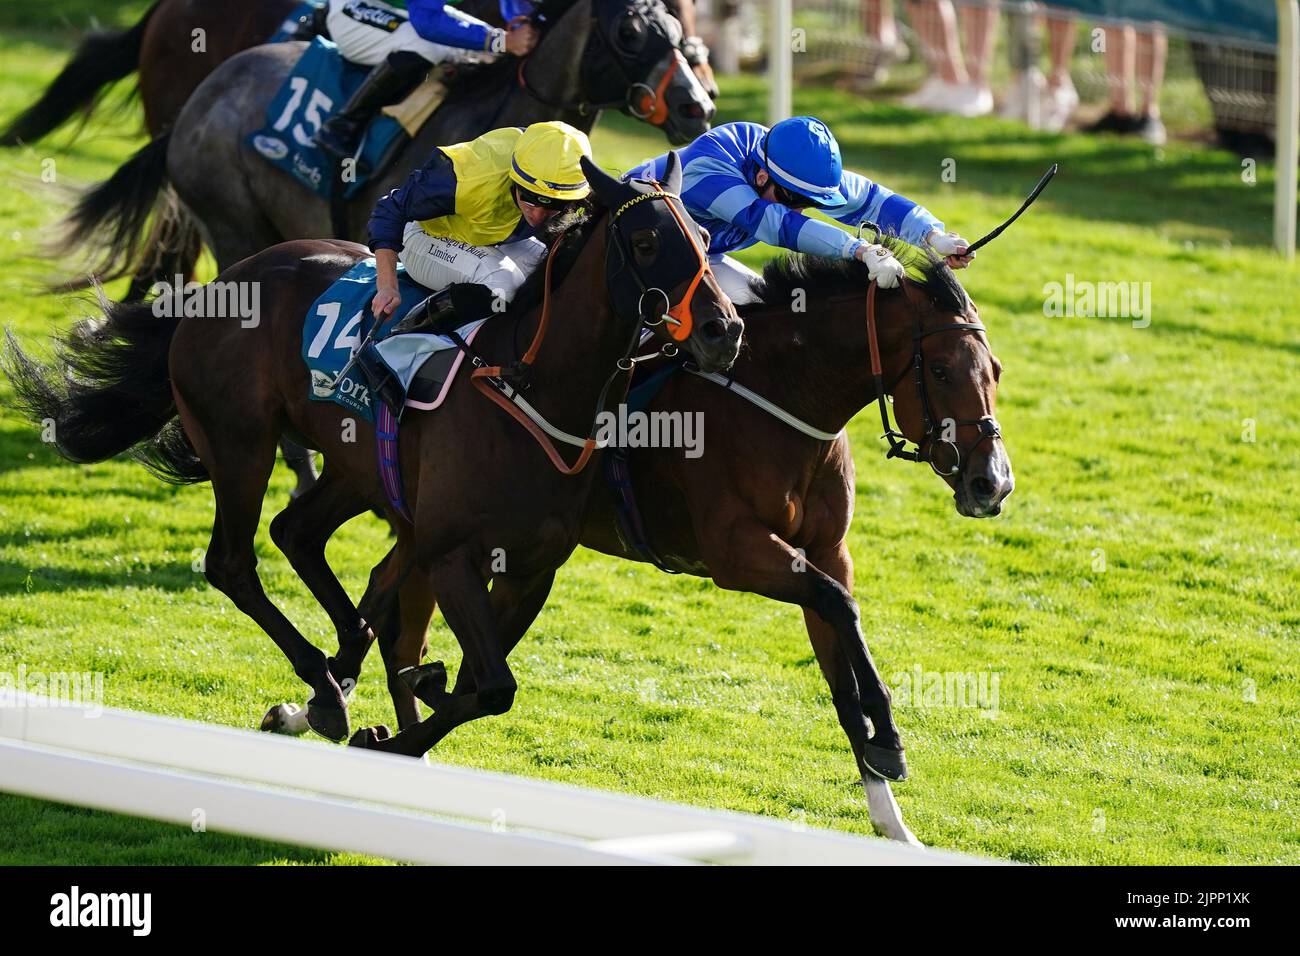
(673, 172)
(607, 189)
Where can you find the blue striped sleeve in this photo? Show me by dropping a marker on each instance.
(428, 193)
(896, 215)
(719, 191)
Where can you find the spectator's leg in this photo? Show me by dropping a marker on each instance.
(1152, 50)
(1062, 97)
(1121, 68)
(879, 25)
(980, 29)
(935, 23)
(1061, 32)
(1024, 98)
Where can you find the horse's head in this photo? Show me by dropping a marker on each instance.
(657, 267)
(943, 377)
(631, 62)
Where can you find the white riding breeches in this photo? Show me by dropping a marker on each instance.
(436, 262)
(358, 27)
(735, 278)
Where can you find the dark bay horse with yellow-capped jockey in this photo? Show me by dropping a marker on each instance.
(208, 398)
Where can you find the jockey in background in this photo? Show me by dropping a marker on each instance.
(745, 183)
(473, 212)
(403, 45)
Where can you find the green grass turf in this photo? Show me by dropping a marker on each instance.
(1125, 731)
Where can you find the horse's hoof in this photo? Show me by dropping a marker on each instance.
(428, 682)
(285, 719)
(368, 737)
(330, 722)
(885, 764)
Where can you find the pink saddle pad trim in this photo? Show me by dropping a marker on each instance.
(451, 377)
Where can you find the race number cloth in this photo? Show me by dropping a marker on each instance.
(320, 83)
(339, 322)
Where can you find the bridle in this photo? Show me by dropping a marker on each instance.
(641, 100)
(679, 316)
(493, 380)
(933, 436)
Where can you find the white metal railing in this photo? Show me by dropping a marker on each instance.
(312, 794)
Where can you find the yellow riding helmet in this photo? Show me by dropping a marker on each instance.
(546, 158)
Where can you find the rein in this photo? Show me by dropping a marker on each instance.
(491, 379)
(987, 424)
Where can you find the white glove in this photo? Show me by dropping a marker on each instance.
(948, 244)
(881, 266)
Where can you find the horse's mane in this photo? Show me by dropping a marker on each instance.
(572, 229)
(822, 277)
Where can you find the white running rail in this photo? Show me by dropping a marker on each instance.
(336, 798)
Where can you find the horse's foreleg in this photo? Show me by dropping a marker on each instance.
(487, 626)
(747, 556)
(403, 643)
(886, 816)
(516, 602)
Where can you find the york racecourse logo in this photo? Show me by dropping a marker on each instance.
(103, 909)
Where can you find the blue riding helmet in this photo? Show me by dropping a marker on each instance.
(801, 154)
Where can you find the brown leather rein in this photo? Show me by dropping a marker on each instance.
(489, 379)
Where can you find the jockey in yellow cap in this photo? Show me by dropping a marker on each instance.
(473, 212)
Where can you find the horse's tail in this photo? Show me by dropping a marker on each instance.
(103, 57)
(108, 392)
(115, 216)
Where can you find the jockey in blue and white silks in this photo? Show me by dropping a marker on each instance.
(745, 183)
(402, 45)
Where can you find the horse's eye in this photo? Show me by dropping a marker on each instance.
(629, 36)
(645, 245)
(939, 372)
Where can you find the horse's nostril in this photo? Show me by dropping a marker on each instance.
(734, 330)
(714, 329)
(982, 488)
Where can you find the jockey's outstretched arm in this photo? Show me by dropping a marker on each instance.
(897, 215)
(737, 202)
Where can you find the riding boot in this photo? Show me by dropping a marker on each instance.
(387, 83)
(448, 309)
